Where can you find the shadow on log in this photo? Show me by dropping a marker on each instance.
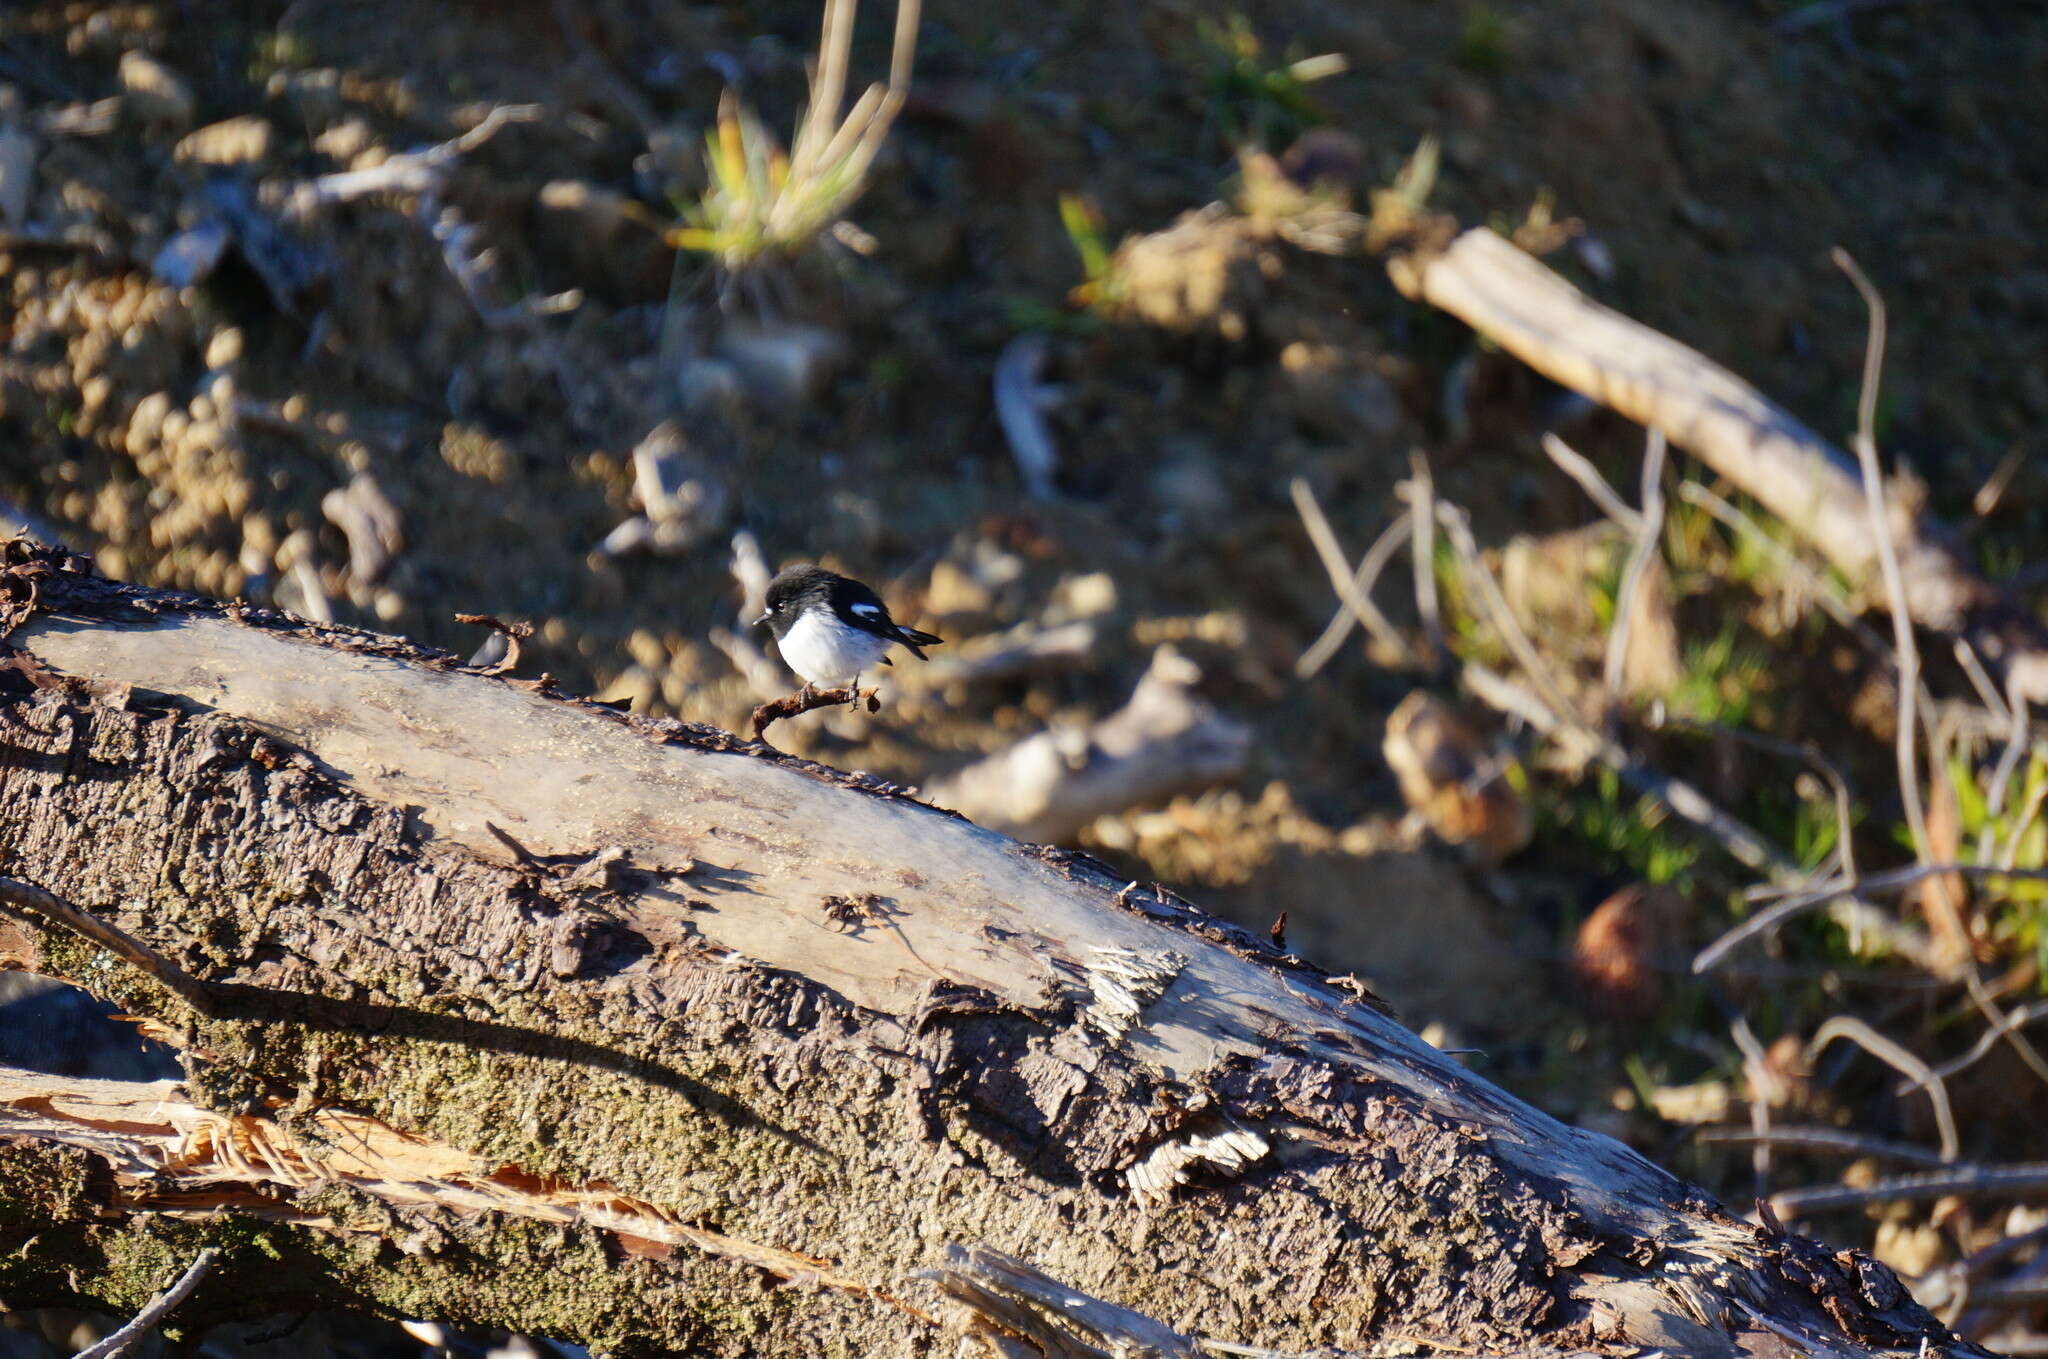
(621, 1085)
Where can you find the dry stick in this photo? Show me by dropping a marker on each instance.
(1737, 840)
(1845, 853)
(1804, 899)
(1893, 1053)
(55, 911)
(1765, 1088)
(1741, 843)
(1549, 714)
(810, 700)
(1824, 1139)
(1650, 528)
(1580, 469)
(2023, 1178)
(1332, 554)
(1907, 652)
(1980, 680)
(1653, 380)
(1778, 1328)
(1369, 567)
(132, 1334)
(2018, 1017)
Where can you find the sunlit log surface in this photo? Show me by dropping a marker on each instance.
(512, 1010)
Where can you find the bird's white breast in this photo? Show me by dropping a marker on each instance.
(826, 652)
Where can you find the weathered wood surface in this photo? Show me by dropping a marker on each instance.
(732, 1017)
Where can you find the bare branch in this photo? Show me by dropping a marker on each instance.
(145, 1321)
(1969, 1180)
(55, 911)
(1887, 1050)
(1833, 1140)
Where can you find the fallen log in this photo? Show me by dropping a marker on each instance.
(1509, 296)
(502, 1008)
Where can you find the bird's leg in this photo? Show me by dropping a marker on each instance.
(853, 692)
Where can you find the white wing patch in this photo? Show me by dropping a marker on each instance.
(871, 611)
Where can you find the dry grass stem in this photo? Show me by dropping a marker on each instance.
(1649, 528)
(1332, 554)
(1580, 469)
(1420, 493)
(1390, 541)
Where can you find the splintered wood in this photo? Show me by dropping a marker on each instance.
(170, 1154)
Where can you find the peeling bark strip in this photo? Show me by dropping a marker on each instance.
(1510, 297)
(557, 1070)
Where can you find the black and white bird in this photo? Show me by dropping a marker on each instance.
(831, 629)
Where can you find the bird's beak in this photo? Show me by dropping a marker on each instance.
(758, 621)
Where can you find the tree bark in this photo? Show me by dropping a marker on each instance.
(513, 1010)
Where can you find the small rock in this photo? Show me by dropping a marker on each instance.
(781, 365)
(346, 140)
(371, 523)
(154, 92)
(1622, 949)
(240, 140)
(1453, 782)
(225, 348)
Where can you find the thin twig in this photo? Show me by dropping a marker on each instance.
(810, 700)
(1980, 680)
(55, 911)
(1765, 1089)
(1332, 553)
(145, 1321)
(1906, 650)
(2018, 1017)
(2001, 1181)
(1580, 469)
(1391, 539)
(1741, 843)
(1833, 1140)
(1650, 527)
(1779, 1328)
(1798, 898)
(1845, 853)
(1896, 1055)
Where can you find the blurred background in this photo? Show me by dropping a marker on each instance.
(1070, 338)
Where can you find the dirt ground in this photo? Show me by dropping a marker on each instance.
(328, 415)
